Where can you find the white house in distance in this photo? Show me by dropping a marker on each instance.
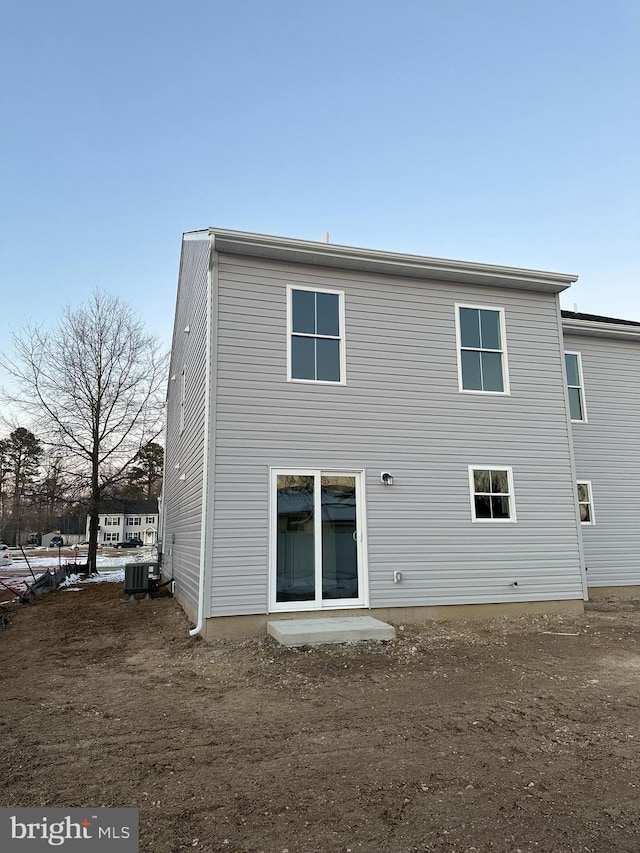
(355, 430)
(123, 519)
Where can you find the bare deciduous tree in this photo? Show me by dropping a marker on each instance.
(92, 388)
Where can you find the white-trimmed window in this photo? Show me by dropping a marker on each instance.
(575, 386)
(150, 519)
(585, 502)
(482, 349)
(110, 537)
(491, 489)
(134, 521)
(315, 330)
(111, 521)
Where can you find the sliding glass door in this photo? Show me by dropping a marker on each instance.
(317, 542)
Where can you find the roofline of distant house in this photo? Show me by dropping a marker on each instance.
(129, 506)
(374, 261)
(597, 326)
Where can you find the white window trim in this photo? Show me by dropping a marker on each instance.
(512, 498)
(592, 513)
(583, 399)
(362, 601)
(342, 337)
(503, 337)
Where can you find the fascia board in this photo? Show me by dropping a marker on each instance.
(594, 329)
(195, 236)
(393, 263)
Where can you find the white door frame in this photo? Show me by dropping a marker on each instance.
(361, 541)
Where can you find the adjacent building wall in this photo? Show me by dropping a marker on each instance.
(607, 450)
(400, 411)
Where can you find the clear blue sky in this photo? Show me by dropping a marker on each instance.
(504, 131)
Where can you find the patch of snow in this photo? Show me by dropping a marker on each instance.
(71, 589)
(115, 576)
(103, 561)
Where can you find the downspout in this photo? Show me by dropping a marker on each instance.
(206, 449)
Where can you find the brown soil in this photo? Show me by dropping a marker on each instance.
(510, 735)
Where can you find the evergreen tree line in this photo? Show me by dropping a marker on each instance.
(40, 492)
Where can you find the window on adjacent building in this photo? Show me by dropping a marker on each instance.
(134, 520)
(110, 537)
(150, 519)
(316, 335)
(577, 407)
(482, 354)
(111, 520)
(585, 502)
(491, 494)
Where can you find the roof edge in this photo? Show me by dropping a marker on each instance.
(395, 263)
(602, 327)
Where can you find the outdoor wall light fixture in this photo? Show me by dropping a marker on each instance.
(386, 478)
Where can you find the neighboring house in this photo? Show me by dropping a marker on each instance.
(603, 373)
(121, 520)
(351, 429)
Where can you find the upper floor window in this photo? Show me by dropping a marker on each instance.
(111, 520)
(316, 335)
(134, 521)
(482, 353)
(585, 503)
(577, 407)
(491, 494)
(150, 519)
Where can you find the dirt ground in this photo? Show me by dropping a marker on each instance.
(511, 735)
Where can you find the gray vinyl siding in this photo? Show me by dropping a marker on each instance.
(183, 498)
(607, 451)
(400, 411)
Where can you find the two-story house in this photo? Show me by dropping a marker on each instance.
(353, 430)
(123, 519)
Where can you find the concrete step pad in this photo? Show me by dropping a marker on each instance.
(332, 629)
